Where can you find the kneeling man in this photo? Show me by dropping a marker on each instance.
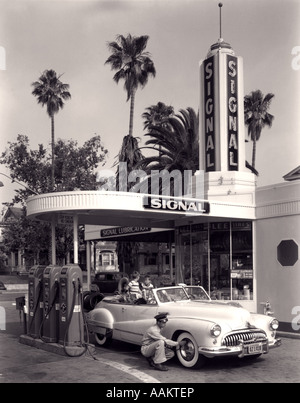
(157, 348)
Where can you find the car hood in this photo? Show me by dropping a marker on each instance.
(221, 313)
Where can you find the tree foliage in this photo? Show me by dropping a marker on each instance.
(52, 92)
(75, 168)
(157, 115)
(256, 116)
(132, 62)
(178, 141)
(31, 237)
(31, 167)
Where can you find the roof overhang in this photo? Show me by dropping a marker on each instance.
(127, 209)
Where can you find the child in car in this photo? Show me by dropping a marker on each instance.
(147, 287)
(134, 286)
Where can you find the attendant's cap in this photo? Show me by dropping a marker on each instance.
(161, 316)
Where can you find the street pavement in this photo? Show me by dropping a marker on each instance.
(123, 363)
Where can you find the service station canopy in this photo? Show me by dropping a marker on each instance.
(119, 209)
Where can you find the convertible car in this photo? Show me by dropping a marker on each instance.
(209, 328)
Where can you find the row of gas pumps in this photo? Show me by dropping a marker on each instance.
(55, 305)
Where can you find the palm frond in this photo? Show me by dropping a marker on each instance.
(177, 141)
(256, 116)
(134, 65)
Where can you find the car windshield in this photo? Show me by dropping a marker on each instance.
(172, 295)
(197, 293)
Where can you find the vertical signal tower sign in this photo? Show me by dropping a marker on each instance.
(222, 134)
(232, 102)
(209, 113)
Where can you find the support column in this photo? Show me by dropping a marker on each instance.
(191, 255)
(171, 259)
(19, 259)
(88, 263)
(75, 236)
(179, 271)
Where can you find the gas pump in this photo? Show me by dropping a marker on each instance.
(35, 300)
(71, 330)
(49, 331)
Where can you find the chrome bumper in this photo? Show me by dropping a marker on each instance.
(241, 350)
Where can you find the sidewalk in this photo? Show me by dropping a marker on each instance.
(25, 360)
(25, 364)
(14, 282)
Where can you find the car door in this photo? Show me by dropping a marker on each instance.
(136, 320)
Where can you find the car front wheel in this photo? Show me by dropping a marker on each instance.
(188, 355)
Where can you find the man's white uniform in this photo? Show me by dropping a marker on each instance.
(155, 345)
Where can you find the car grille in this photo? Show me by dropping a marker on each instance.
(248, 337)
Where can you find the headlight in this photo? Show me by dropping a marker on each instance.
(274, 324)
(215, 331)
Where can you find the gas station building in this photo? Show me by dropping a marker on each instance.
(240, 241)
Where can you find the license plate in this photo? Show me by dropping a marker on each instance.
(255, 348)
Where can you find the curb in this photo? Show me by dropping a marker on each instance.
(67, 351)
(24, 287)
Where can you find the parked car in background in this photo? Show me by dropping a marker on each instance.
(107, 282)
(23, 272)
(2, 286)
(210, 329)
(104, 283)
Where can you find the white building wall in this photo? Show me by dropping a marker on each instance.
(278, 219)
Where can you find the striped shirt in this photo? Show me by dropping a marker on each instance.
(134, 288)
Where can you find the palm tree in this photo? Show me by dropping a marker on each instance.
(157, 115)
(133, 65)
(256, 116)
(130, 154)
(50, 91)
(178, 141)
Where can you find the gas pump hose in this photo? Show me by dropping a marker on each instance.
(48, 311)
(35, 308)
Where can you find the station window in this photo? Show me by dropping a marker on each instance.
(218, 256)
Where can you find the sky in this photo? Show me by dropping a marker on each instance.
(71, 36)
